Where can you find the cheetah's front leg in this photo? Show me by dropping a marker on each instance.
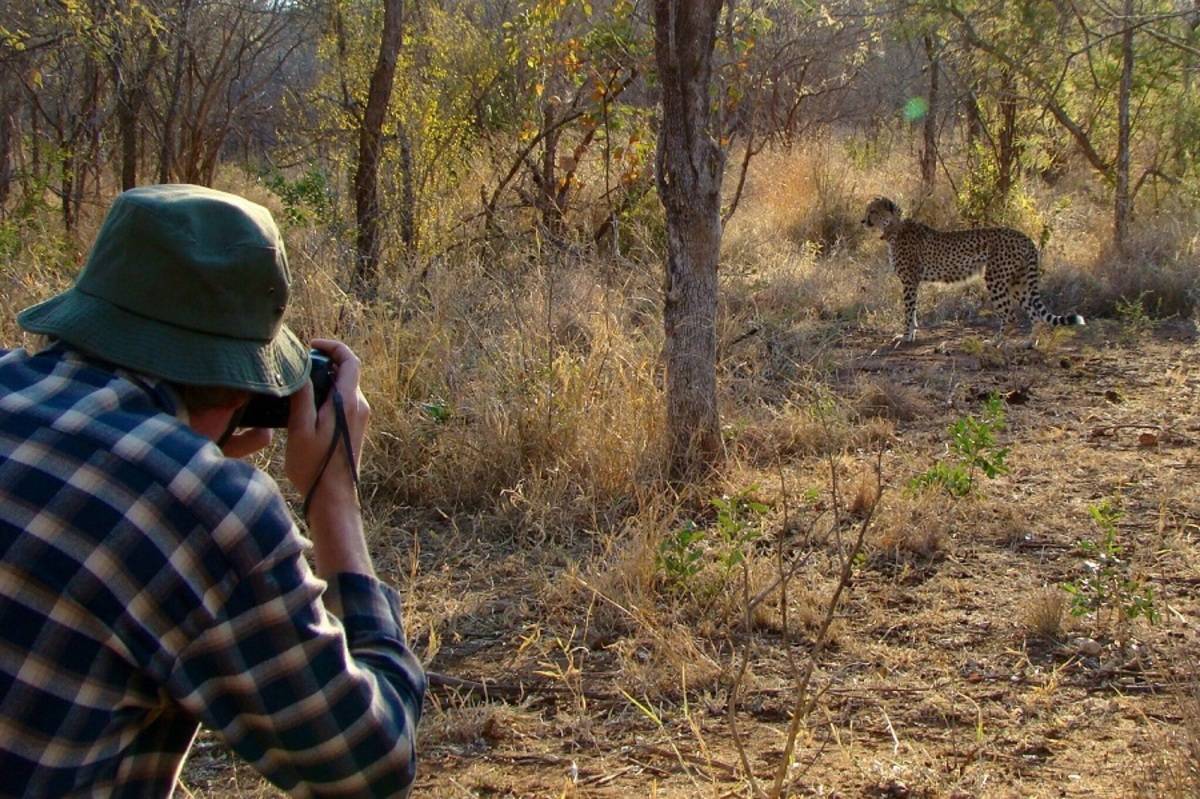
(910, 309)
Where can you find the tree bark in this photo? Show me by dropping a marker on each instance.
(408, 191)
(166, 152)
(8, 111)
(370, 137)
(689, 166)
(1122, 201)
(35, 144)
(929, 155)
(1006, 157)
(1192, 20)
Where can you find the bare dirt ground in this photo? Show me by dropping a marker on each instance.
(935, 682)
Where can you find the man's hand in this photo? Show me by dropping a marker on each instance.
(335, 522)
(246, 442)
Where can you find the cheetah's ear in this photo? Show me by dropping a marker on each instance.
(883, 203)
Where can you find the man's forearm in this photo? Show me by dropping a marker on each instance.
(336, 529)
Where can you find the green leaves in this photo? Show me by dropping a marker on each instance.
(973, 443)
(680, 555)
(738, 519)
(309, 193)
(690, 549)
(1108, 586)
(952, 477)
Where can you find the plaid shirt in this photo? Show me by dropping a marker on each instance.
(148, 584)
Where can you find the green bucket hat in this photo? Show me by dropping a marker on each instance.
(187, 284)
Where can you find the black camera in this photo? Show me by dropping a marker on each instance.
(263, 410)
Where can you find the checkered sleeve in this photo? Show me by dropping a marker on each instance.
(319, 693)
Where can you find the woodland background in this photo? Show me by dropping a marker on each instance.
(954, 569)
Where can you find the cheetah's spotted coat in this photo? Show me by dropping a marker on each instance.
(1008, 258)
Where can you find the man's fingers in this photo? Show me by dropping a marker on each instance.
(345, 362)
(302, 415)
(247, 442)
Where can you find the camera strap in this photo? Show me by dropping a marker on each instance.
(341, 434)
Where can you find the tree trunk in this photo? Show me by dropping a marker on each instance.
(370, 137)
(35, 145)
(130, 84)
(689, 166)
(166, 151)
(8, 111)
(127, 102)
(975, 126)
(85, 145)
(546, 177)
(1122, 203)
(1006, 158)
(408, 193)
(929, 155)
(1192, 20)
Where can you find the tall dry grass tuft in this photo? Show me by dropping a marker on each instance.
(1043, 611)
(793, 250)
(1159, 270)
(621, 583)
(37, 261)
(513, 387)
(911, 528)
(1172, 768)
(886, 398)
(797, 429)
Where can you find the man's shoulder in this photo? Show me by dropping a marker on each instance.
(130, 437)
(239, 505)
(82, 410)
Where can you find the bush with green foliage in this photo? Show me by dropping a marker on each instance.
(690, 549)
(308, 194)
(1109, 586)
(974, 448)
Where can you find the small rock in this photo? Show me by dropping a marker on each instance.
(1088, 647)
(1147, 440)
(1018, 396)
(893, 789)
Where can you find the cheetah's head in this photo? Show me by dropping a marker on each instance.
(882, 213)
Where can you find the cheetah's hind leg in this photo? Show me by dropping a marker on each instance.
(1004, 300)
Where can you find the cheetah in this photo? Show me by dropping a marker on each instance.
(1008, 258)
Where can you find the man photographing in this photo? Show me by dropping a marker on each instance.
(149, 580)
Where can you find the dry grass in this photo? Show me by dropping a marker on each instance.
(514, 490)
(1159, 270)
(1042, 612)
(1171, 769)
(914, 528)
(798, 430)
(882, 397)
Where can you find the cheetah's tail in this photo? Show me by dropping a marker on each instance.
(1037, 309)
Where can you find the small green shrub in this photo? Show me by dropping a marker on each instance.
(978, 193)
(1108, 586)
(437, 410)
(739, 525)
(973, 445)
(680, 555)
(690, 549)
(308, 194)
(1133, 314)
(953, 477)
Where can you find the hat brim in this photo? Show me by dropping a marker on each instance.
(97, 327)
